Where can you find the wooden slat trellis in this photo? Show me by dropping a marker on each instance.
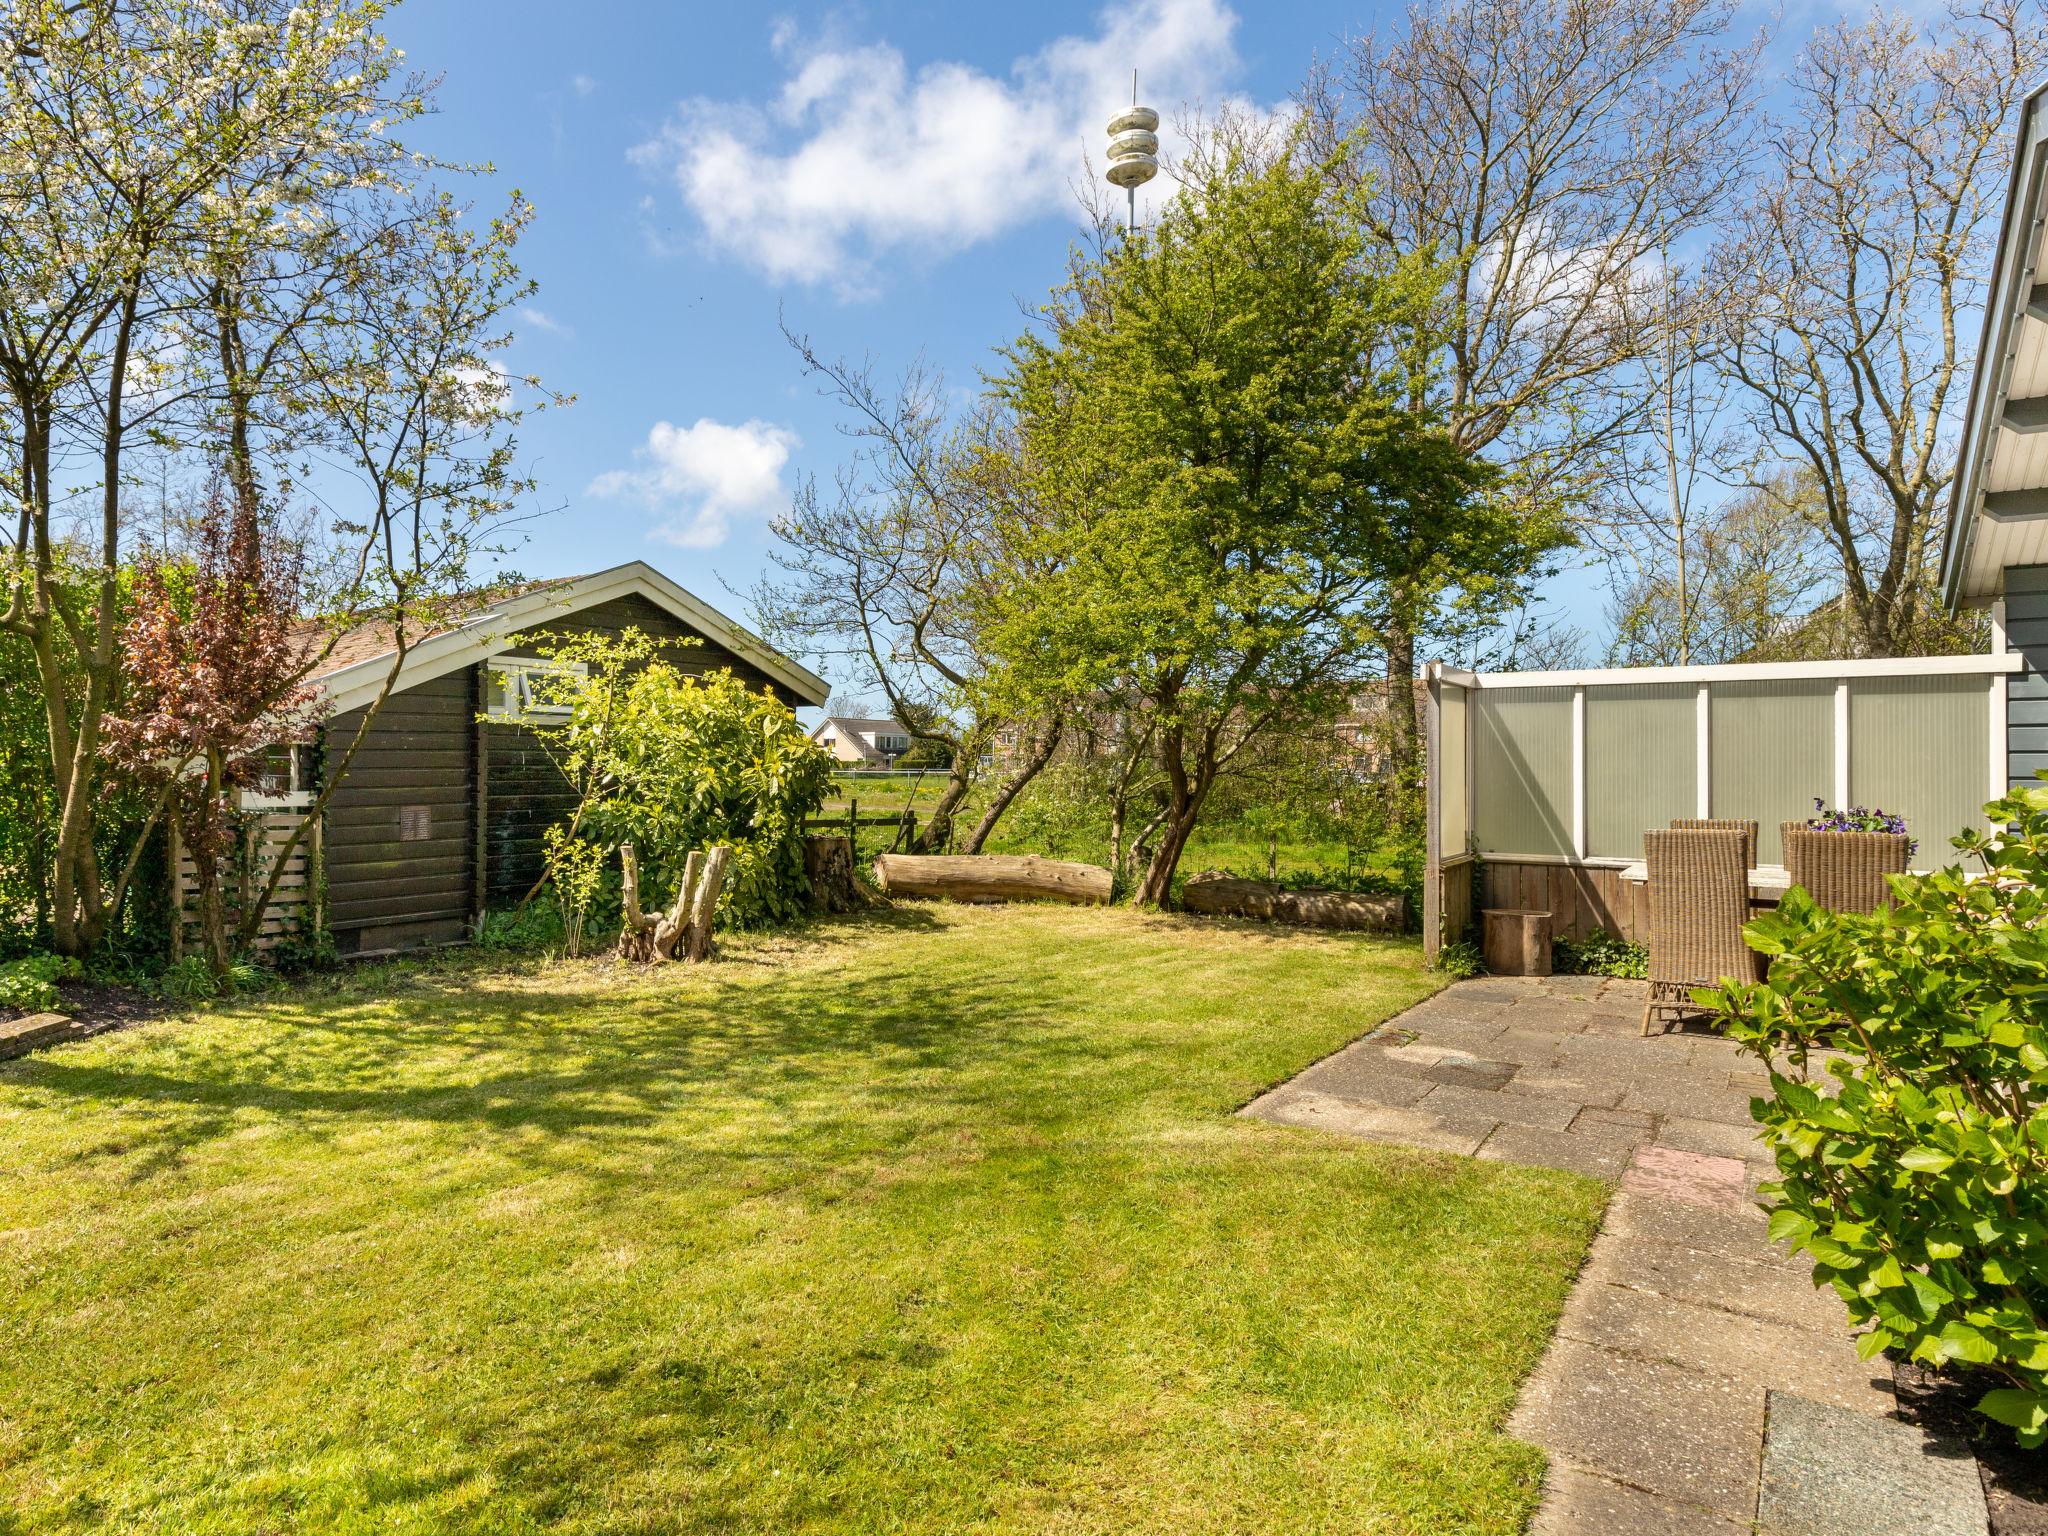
(294, 907)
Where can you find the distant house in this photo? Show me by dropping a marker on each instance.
(862, 743)
(441, 814)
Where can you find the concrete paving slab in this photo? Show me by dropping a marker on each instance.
(1367, 1077)
(1694, 1099)
(1623, 1119)
(1577, 1503)
(1665, 1173)
(1569, 1150)
(1712, 1137)
(1732, 1284)
(1574, 1087)
(1682, 1436)
(1376, 1122)
(1635, 1219)
(1483, 1076)
(1449, 1098)
(1748, 1349)
(1831, 1472)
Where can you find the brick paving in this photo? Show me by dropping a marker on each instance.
(1695, 1362)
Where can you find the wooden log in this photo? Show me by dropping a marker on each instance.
(1517, 941)
(828, 866)
(1312, 907)
(992, 877)
(636, 928)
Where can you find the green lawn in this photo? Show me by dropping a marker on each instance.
(933, 1221)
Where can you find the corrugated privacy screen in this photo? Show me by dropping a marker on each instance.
(1456, 818)
(1918, 747)
(1522, 770)
(1642, 763)
(1773, 751)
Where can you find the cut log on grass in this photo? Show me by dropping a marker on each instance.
(828, 865)
(1230, 896)
(992, 877)
(685, 929)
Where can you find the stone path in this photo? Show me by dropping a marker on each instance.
(1697, 1382)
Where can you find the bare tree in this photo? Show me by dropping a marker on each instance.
(1853, 264)
(1547, 153)
(883, 568)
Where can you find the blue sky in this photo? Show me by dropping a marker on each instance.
(892, 177)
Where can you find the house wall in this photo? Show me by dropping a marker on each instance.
(2026, 693)
(415, 772)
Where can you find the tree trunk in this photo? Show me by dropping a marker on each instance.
(685, 929)
(1402, 733)
(828, 866)
(1042, 750)
(931, 837)
(1156, 888)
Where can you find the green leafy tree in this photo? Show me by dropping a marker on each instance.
(1919, 1188)
(671, 763)
(1220, 468)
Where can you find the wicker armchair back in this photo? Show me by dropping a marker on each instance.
(1699, 900)
(1844, 871)
(1721, 823)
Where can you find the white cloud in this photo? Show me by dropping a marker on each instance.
(541, 320)
(702, 477)
(857, 159)
(582, 85)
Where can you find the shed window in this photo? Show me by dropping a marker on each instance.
(526, 688)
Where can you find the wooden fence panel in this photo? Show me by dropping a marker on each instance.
(292, 909)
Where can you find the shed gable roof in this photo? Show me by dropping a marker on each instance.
(361, 659)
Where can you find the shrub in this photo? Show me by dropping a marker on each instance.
(1920, 1190)
(1461, 961)
(30, 984)
(671, 763)
(1600, 953)
(522, 930)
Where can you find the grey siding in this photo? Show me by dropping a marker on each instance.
(524, 792)
(2026, 693)
(385, 890)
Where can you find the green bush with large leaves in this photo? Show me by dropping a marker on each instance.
(1919, 1188)
(670, 762)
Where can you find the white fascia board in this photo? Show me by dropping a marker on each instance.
(1760, 671)
(487, 634)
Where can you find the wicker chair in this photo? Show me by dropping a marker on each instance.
(1699, 900)
(1713, 823)
(1843, 871)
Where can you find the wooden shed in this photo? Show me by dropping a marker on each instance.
(441, 814)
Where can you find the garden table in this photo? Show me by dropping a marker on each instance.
(1767, 882)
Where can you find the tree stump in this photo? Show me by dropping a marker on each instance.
(685, 929)
(1517, 941)
(828, 866)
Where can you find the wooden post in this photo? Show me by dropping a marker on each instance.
(480, 848)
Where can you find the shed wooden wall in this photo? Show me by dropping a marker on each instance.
(383, 891)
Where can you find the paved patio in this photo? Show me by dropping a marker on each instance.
(1697, 1382)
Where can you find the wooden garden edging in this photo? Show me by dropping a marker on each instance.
(993, 877)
